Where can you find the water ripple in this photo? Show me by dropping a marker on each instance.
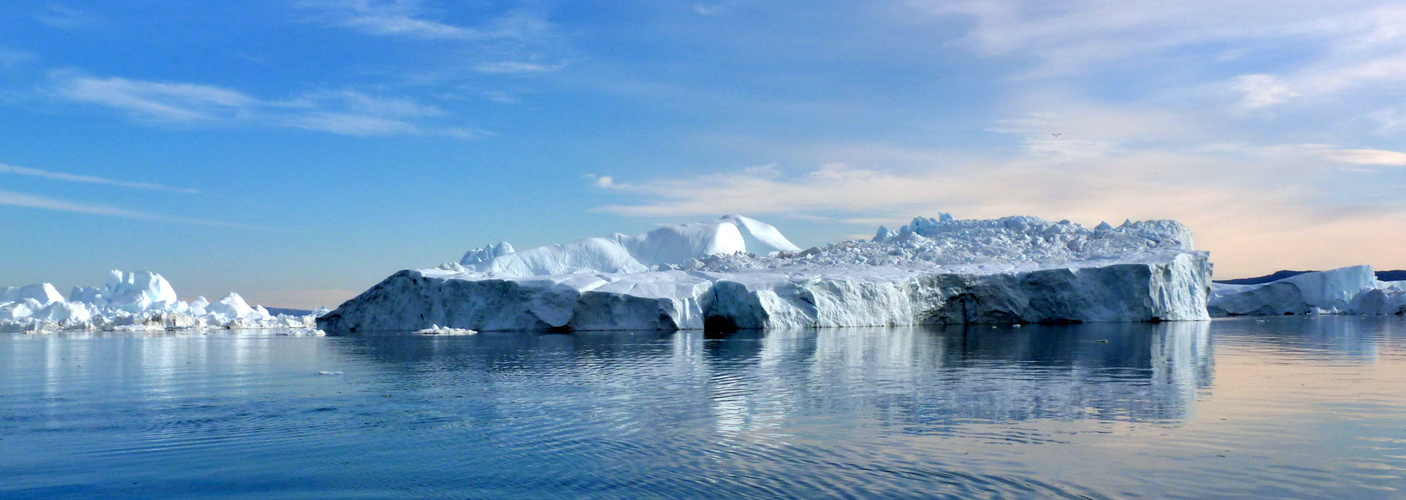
(1279, 408)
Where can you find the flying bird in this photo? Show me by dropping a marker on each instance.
(1056, 135)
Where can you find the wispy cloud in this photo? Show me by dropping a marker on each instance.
(1071, 35)
(14, 199)
(510, 67)
(1259, 91)
(408, 18)
(173, 102)
(89, 179)
(65, 17)
(716, 8)
(1366, 156)
(516, 41)
(341, 112)
(10, 58)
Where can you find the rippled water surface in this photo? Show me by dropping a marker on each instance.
(1285, 407)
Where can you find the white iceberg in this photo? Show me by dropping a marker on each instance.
(737, 272)
(444, 330)
(136, 301)
(1348, 290)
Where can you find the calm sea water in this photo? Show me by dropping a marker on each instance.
(1285, 407)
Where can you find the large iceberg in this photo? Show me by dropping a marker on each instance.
(137, 301)
(1349, 290)
(737, 272)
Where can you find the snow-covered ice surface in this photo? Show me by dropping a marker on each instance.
(135, 301)
(619, 253)
(737, 272)
(1349, 290)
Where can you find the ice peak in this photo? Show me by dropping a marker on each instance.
(884, 234)
(488, 252)
(132, 292)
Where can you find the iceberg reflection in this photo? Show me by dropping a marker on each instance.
(760, 383)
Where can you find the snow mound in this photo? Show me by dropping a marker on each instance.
(136, 301)
(1348, 290)
(692, 276)
(618, 253)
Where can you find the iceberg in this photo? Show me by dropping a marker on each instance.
(737, 272)
(440, 330)
(130, 301)
(1348, 290)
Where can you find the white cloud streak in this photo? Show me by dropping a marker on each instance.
(517, 67)
(1366, 156)
(89, 179)
(1074, 34)
(341, 112)
(10, 58)
(515, 42)
(13, 199)
(407, 18)
(1259, 91)
(65, 17)
(1316, 51)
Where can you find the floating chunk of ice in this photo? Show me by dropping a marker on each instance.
(743, 273)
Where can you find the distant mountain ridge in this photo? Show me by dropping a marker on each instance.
(1398, 275)
(288, 311)
(1391, 275)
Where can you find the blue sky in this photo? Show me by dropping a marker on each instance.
(298, 151)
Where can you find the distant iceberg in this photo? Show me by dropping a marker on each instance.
(737, 272)
(130, 301)
(1349, 290)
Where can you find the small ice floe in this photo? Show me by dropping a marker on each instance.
(329, 373)
(444, 330)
